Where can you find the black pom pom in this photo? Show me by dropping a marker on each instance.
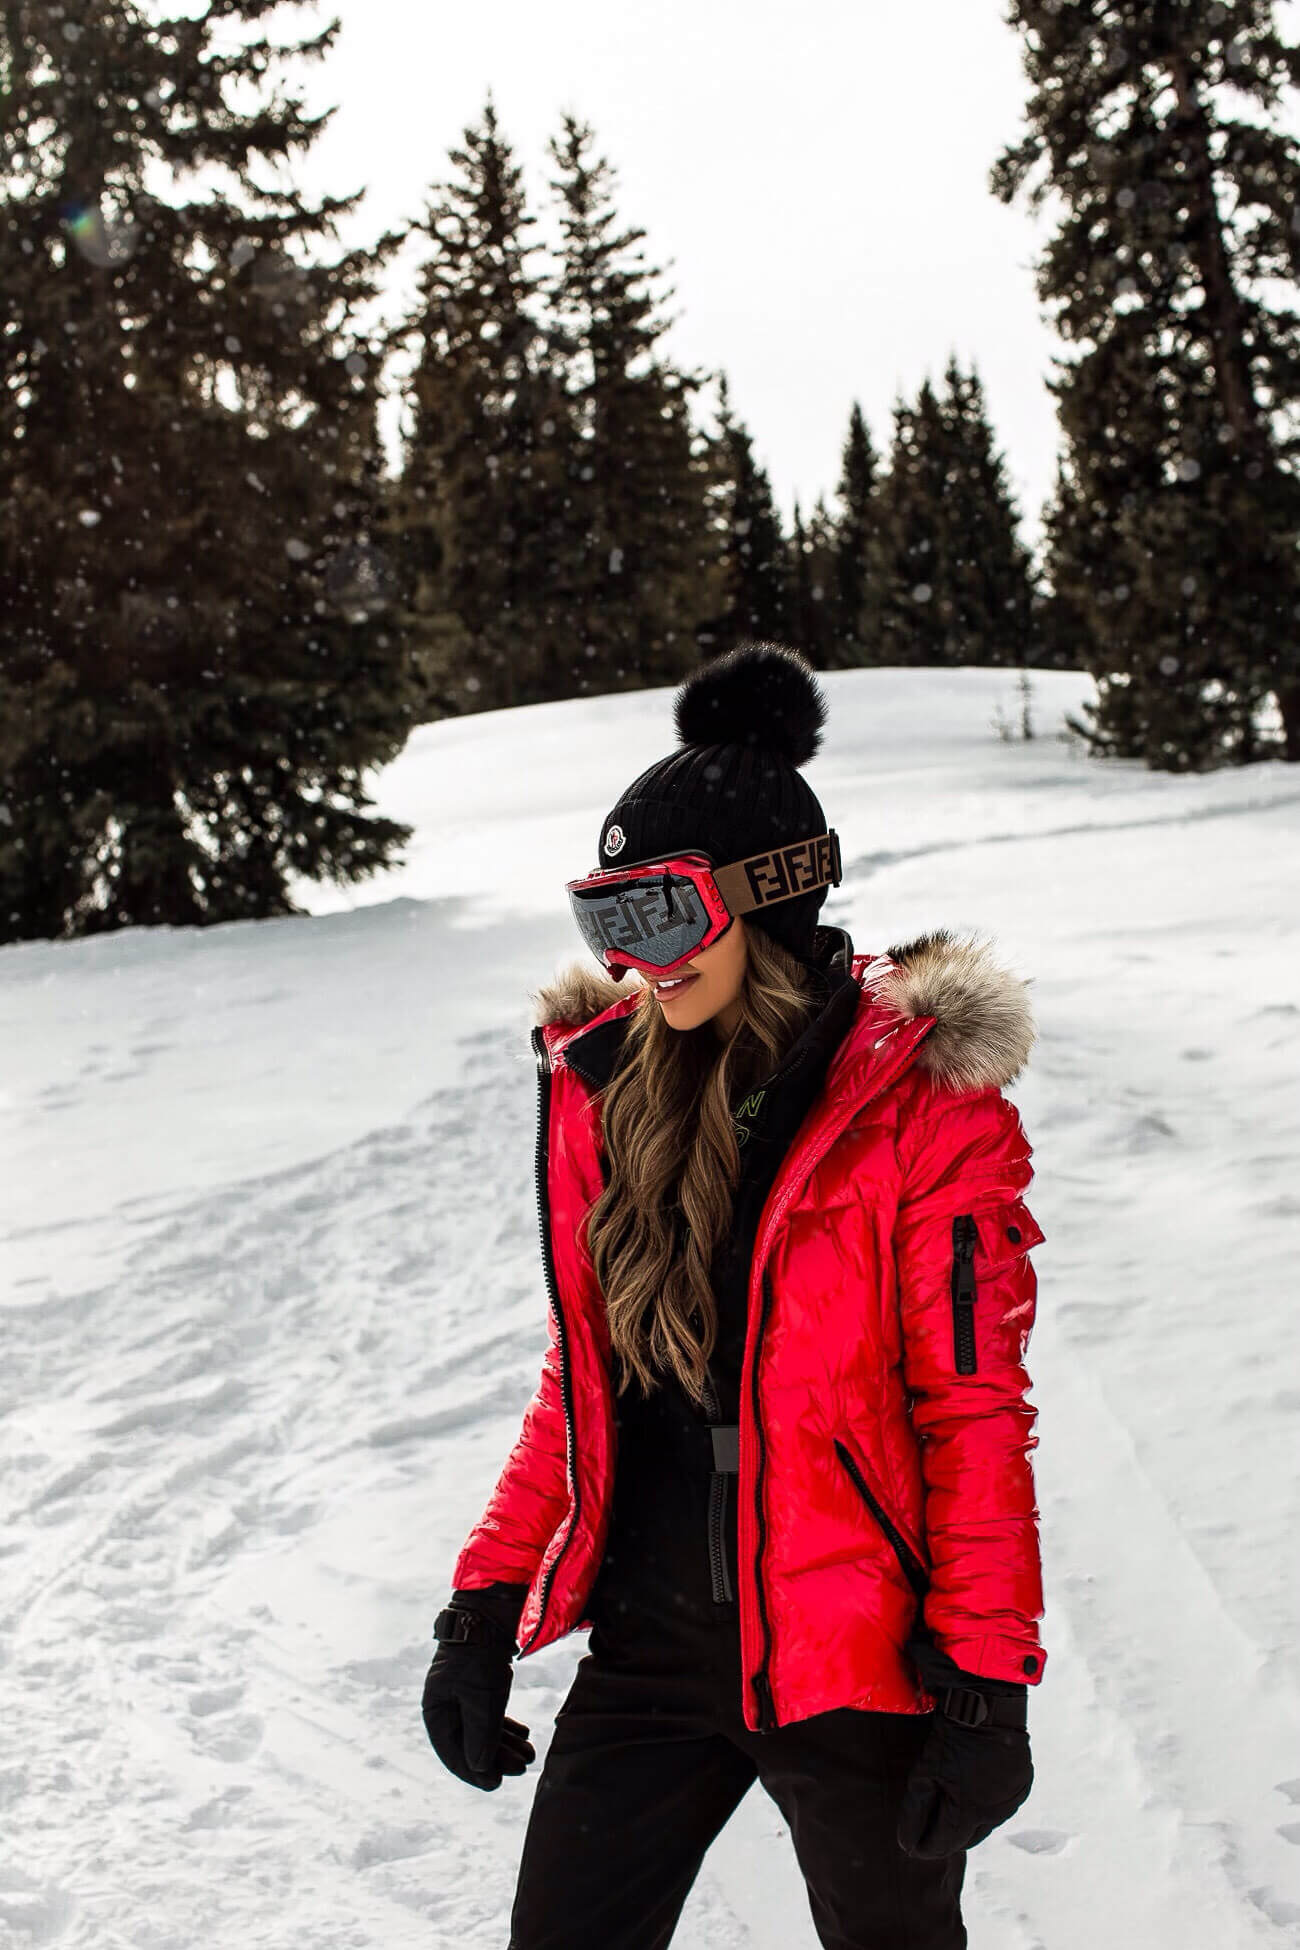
(757, 694)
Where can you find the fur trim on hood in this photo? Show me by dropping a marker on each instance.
(577, 994)
(984, 1024)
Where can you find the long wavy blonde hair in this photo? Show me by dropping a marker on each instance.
(674, 1165)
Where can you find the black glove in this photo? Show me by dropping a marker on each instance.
(966, 1781)
(466, 1690)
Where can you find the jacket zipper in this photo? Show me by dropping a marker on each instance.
(723, 1592)
(552, 1288)
(762, 1683)
(760, 1679)
(964, 1239)
(913, 1569)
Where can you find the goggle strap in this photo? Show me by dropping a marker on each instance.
(780, 873)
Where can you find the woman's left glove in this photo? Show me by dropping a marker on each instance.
(967, 1780)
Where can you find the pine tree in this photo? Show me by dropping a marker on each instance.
(752, 552)
(986, 574)
(1074, 548)
(948, 581)
(1172, 534)
(478, 516)
(913, 609)
(807, 577)
(856, 546)
(638, 550)
(195, 671)
(820, 553)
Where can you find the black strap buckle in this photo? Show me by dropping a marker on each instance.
(455, 1625)
(963, 1704)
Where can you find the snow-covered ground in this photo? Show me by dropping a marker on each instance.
(271, 1308)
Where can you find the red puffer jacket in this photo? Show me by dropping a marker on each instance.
(884, 1432)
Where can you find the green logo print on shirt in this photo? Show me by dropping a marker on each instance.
(748, 1109)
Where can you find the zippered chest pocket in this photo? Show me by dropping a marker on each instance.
(984, 1245)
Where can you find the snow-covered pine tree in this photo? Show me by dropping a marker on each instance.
(195, 671)
(1171, 538)
(638, 549)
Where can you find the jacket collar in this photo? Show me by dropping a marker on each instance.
(977, 1013)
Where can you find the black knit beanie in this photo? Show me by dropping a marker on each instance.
(745, 723)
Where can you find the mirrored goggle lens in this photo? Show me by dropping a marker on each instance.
(652, 921)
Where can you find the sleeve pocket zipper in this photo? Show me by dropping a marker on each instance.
(964, 1241)
(913, 1569)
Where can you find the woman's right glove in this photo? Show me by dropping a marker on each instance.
(468, 1685)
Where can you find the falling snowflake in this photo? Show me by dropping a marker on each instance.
(102, 241)
(360, 580)
(277, 279)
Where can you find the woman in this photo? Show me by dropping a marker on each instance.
(778, 1460)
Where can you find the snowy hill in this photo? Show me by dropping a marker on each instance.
(271, 1309)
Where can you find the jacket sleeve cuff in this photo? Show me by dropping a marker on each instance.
(997, 1660)
(501, 1602)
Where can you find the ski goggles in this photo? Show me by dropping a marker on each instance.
(656, 914)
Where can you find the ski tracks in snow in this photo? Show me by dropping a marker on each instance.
(235, 1480)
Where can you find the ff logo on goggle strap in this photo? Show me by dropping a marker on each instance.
(615, 840)
(790, 869)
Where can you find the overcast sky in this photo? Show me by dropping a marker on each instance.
(814, 176)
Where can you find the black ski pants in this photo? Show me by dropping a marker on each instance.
(650, 1757)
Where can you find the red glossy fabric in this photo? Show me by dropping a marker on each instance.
(858, 1361)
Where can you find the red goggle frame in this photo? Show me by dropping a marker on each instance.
(655, 914)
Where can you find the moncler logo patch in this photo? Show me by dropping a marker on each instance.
(615, 840)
